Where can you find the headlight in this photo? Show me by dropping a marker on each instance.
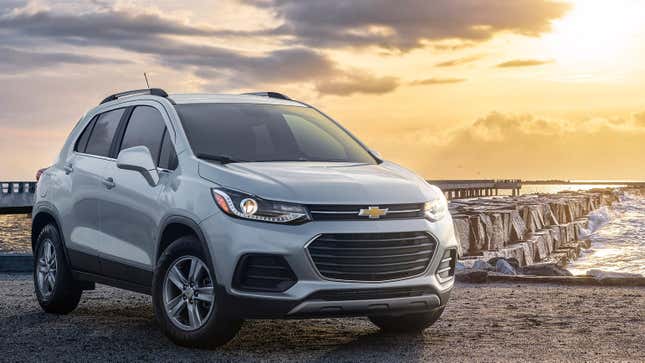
(436, 209)
(242, 205)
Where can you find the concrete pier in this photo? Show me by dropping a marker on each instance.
(458, 189)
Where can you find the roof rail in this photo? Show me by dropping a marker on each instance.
(148, 91)
(269, 94)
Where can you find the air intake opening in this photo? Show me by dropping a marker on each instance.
(261, 272)
(446, 269)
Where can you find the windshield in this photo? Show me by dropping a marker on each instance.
(254, 132)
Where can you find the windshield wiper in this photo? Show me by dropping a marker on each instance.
(224, 159)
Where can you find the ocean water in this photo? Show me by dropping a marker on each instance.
(617, 237)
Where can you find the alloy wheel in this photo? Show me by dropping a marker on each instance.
(47, 267)
(188, 293)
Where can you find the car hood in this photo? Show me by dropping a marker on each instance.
(322, 183)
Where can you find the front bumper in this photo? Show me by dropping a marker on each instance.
(229, 239)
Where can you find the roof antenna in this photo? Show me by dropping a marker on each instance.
(146, 77)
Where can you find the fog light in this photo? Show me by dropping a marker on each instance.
(249, 206)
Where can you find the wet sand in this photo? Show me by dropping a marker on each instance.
(15, 233)
(494, 322)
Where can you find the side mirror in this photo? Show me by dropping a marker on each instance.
(139, 159)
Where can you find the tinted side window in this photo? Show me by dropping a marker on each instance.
(146, 127)
(103, 133)
(81, 143)
(168, 156)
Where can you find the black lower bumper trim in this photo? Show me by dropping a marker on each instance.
(266, 308)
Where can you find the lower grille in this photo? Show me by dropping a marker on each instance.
(372, 256)
(369, 294)
(260, 272)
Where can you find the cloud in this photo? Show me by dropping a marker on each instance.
(153, 35)
(411, 23)
(18, 61)
(504, 145)
(432, 81)
(7, 6)
(639, 119)
(361, 83)
(523, 63)
(106, 24)
(459, 61)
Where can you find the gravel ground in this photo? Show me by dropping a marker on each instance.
(499, 322)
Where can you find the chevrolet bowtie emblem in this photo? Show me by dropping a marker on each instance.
(373, 212)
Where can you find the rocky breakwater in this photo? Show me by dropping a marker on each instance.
(526, 230)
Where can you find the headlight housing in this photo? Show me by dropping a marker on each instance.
(436, 209)
(246, 206)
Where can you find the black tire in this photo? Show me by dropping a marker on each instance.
(66, 292)
(412, 323)
(217, 330)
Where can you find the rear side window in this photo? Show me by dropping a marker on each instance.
(145, 128)
(81, 143)
(103, 132)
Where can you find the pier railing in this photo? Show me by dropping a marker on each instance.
(16, 196)
(454, 189)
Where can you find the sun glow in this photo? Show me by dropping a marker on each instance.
(596, 34)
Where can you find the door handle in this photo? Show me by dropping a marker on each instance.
(109, 183)
(68, 167)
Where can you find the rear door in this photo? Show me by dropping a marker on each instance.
(131, 215)
(86, 167)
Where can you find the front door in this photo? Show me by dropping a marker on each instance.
(131, 215)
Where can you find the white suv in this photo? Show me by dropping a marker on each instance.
(226, 207)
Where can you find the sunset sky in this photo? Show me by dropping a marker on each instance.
(450, 88)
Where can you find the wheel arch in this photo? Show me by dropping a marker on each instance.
(42, 217)
(174, 227)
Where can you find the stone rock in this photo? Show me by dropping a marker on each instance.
(478, 233)
(483, 265)
(555, 236)
(549, 217)
(502, 266)
(609, 278)
(545, 269)
(515, 253)
(472, 276)
(526, 251)
(600, 274)
(518, 227)
(580, 228)
(512, 261)
(463, 233)
(497, 240)
(487, 224)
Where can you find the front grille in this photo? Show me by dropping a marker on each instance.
(369, 294)
(351, 212)
(372, 256)
(261, 272)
